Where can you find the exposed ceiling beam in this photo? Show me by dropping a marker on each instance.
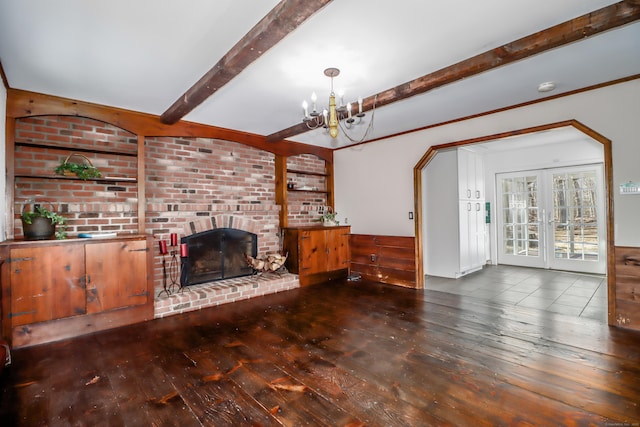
(283, 19)
(583, 26)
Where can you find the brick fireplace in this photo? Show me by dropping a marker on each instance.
(191, 184)
(199, 184)
(218, 292)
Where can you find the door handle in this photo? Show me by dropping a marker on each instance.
(631, 260)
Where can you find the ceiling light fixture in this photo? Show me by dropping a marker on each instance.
(337, 115)
(546, 87)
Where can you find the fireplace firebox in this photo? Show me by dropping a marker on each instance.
(216, 255)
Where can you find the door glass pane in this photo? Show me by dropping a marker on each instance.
(520, 213)
(574, 212)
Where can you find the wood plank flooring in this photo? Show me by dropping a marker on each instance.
(335, 354)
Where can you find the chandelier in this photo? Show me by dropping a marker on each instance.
(336, 116)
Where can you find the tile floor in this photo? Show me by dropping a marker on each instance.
(576, 294)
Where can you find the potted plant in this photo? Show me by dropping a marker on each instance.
(328, 217)
(84, 170)
(40, 224)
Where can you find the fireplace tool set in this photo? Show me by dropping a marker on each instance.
(170, 282)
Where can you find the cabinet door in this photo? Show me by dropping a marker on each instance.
(313, 252)
(466, 174)
(337, 249)
(46, 283)
(478, 239)
(478, 184)
(470, 175)
(466, 232)
(116, 275)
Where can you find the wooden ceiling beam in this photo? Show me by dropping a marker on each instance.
(283, 19)
(596, 22)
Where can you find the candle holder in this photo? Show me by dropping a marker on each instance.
(170, 274)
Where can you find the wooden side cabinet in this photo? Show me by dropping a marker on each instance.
(627, 268)
(317, 253)
(57, 289)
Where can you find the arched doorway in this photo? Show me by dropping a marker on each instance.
(514, 137)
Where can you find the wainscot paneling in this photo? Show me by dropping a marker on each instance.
(628, 287)
(386, 259)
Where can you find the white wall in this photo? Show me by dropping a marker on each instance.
(374, 182)
(3, 176)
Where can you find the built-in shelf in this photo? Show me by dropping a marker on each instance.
(299, 172)
(75, 178)
(309, 191)
(76, 149)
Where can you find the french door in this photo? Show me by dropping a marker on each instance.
(552, 218)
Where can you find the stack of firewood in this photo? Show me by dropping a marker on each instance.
(269, 263)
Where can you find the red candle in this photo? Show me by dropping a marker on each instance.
(163, 247)
(174, 239)
(184, 251)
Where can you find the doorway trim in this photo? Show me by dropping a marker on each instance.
(608, 194)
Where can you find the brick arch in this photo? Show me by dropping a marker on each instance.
(223, 221)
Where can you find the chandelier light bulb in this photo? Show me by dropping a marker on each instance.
(305, 107)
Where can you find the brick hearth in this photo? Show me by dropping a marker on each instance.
(205, 295)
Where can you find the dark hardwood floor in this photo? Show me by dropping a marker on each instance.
(337, 354)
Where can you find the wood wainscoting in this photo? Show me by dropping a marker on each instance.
(627, 268)
(386, 259)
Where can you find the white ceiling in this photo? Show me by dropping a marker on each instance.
(143, 55)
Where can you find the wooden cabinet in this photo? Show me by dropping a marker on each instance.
(317, 253)
(46, 283)
(59, 289)
(386, 259)
(627, 288)
(107, 290)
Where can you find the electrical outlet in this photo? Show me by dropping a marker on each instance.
(410, 215)
(346, 220)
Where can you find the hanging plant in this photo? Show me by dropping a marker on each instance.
(84, 170)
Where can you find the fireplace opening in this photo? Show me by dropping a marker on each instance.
(216, 255)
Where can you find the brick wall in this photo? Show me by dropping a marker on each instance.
(194, 184)
(88, 206)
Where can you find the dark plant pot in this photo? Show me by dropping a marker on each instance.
(41, 228)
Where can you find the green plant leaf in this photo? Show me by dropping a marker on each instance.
(81, 170)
